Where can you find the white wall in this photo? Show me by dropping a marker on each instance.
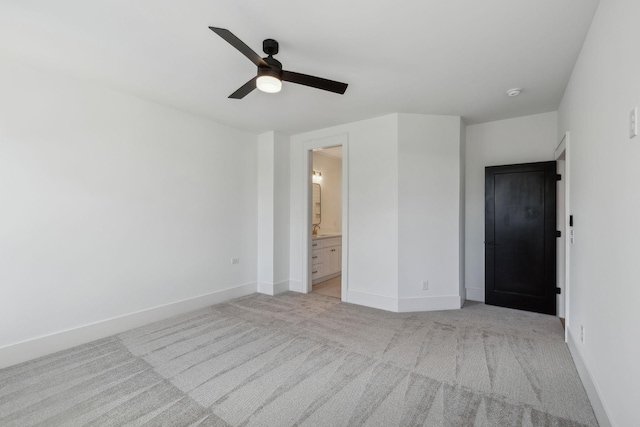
(273, 213)
(429, 211)
(373, 215)
(266, 175)
(520, 140)
(331, 192)
(605, 203)
(112, 205)
(281, 211)
(387, 179)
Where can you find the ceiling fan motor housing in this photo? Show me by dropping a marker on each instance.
(274, 69)
(270, 47)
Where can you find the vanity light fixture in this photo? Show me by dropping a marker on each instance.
(317, 176)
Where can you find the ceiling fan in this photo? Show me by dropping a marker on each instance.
(270, 73)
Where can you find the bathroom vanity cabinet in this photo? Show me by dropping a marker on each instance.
(326, 257)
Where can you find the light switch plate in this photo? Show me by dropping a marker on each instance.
(633, 123)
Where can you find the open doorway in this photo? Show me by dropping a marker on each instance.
(326, 222)
(309, 147)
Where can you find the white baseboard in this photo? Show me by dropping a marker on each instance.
(590, 386)
(431, 303)
(41, 346)
(402, 305)
(273, 288)
(296, 286)
(281, 287)
(373, 300)
(475, 294)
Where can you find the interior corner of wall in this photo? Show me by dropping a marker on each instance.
(474, 294)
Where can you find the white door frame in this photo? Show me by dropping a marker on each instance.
(309, 147)
(563, 150)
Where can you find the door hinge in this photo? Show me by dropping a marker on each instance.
(558, 233)
(558, 177)
(558, 291)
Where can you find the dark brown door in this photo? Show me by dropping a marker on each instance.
(520, 233)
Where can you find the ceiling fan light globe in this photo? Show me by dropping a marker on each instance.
(269, 84)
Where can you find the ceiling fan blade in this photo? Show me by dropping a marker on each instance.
(317, 82)
(239, 44)
(245, 89)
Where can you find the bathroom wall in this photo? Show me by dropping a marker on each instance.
(331, 192)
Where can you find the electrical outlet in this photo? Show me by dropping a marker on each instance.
(425, 285)
(235, 260)
(633, 122)
(582, 334)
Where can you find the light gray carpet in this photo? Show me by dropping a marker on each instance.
(308, 360)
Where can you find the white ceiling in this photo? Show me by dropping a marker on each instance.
(449, 57)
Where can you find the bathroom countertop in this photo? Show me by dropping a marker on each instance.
(326, 236)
